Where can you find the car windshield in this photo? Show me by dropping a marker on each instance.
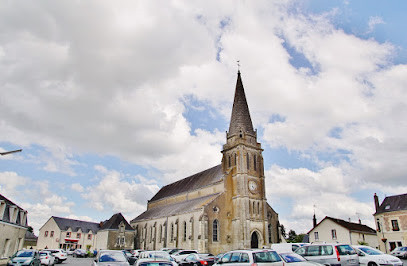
(24, 253)
(403, 249)
(173, 251)
(266, 256)
(291, 257)
(153, 263)
(113, 256)
(371, 251)
(43, 253)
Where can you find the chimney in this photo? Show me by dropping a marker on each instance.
(314, 221)
(360, 222)
(376, 201)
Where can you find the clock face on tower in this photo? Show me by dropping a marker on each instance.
(253, 186)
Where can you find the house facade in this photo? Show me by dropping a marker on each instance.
(221, 208)
(13, 226)
(67, 233)
(391, 221)
(337, 230)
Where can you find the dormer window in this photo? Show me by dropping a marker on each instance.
(387, 207)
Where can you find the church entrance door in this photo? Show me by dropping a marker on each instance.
(255, 240)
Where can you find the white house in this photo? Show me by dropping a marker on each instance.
(391, 222)
(13, 225)
(337, 230)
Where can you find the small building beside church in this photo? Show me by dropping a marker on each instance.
(65, 233)
(337, 230)
(221, 208)
(391, 221)
(13, 226)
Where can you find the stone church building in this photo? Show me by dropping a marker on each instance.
(218, 209)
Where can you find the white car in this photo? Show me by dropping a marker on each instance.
(370, 256)
(400, 252)
(47, 258)
(250, 257)
(182, 254)
(59, 254)
(157, 255)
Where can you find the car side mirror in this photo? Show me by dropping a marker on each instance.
(95, 260)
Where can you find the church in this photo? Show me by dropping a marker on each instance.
(221, 208)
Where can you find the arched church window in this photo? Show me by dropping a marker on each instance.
(229, 161)
(215, 229)
(250, 207)
(254, 163)
(235, 159)
(151, 233)
(254, 207)
(258, 207)
(269, 229)
(185, 231)
(248, 161)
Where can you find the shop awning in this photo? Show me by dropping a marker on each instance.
(71, 240)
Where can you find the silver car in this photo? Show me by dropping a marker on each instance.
(250, 257)
(330, 254)
(110, 257)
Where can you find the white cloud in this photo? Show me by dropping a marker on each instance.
(373, 21)
(77, 187)
(119, 193)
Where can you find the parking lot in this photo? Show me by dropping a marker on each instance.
(88, 261)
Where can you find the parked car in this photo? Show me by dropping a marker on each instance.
(47, 258)
(286, 247)
(80, 253)
(330, 254)
(293, 259)
(158, 255)
(217, 257)
(250, 257)
(198, 259)
(110, 257)
(131, 259)
(400, 252)
(136, 252)
(59, 254)
(70, 251)
(369, 256)
(152, 262)
(25, 257)
(182, 254)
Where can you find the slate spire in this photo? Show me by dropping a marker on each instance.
(240, 120)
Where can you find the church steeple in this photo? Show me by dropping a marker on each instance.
(240, 121)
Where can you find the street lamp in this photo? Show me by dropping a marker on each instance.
(8, 152)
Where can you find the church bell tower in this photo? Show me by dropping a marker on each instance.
(242, 163)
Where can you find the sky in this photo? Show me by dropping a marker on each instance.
(110, 101)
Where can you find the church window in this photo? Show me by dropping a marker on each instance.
(248, 161)
(151, 233)
(254, 163)
(215, 228)
(254, 207)
(185, 231)
(258, 207)
(172, 232)
(229, 161)
(235, 159)
(269, 229)
(250, 207)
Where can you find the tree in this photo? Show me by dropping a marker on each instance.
(291, 236)
(282, 229)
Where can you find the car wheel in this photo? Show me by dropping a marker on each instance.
(371, 264)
